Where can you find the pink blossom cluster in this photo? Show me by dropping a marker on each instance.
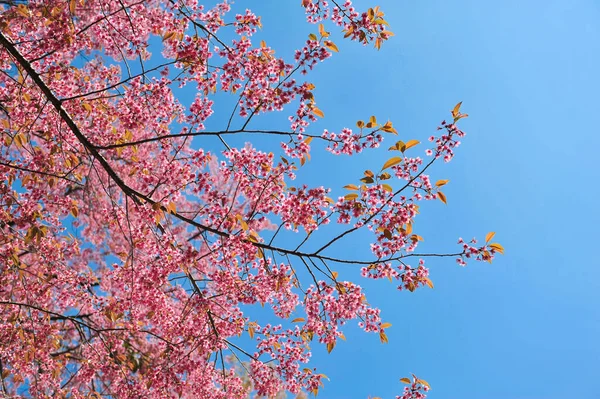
(417, 389)
(446, 143)
(348, 143)
(129, 255)
(364, 27)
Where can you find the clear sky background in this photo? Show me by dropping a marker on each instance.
(527, 326)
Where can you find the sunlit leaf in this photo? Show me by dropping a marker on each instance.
(489, 236)
(331, 46)
(322, 31)
(497, 247)
(318, 112)
(442, 197)
(330, 346)
(456, 110)
(391, 162)
(383, 337)
(410, 144)
(423, 382)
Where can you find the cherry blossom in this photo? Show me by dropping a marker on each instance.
(133, 255)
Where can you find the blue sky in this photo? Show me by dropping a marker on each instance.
(527, 326)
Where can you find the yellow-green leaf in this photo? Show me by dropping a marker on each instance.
(391, 162)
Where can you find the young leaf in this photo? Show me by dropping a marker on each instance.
(318, 112)
(497, 247)
(383, 338)
(351, 187)
(405, 380)
(410, 144)
(423, 382)
(391, 162)
(330, 347)
(322, 31)
(440, 183)
(331, 46)
(442, 197)
(489, 236)
(171, 208)
(456, 110)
